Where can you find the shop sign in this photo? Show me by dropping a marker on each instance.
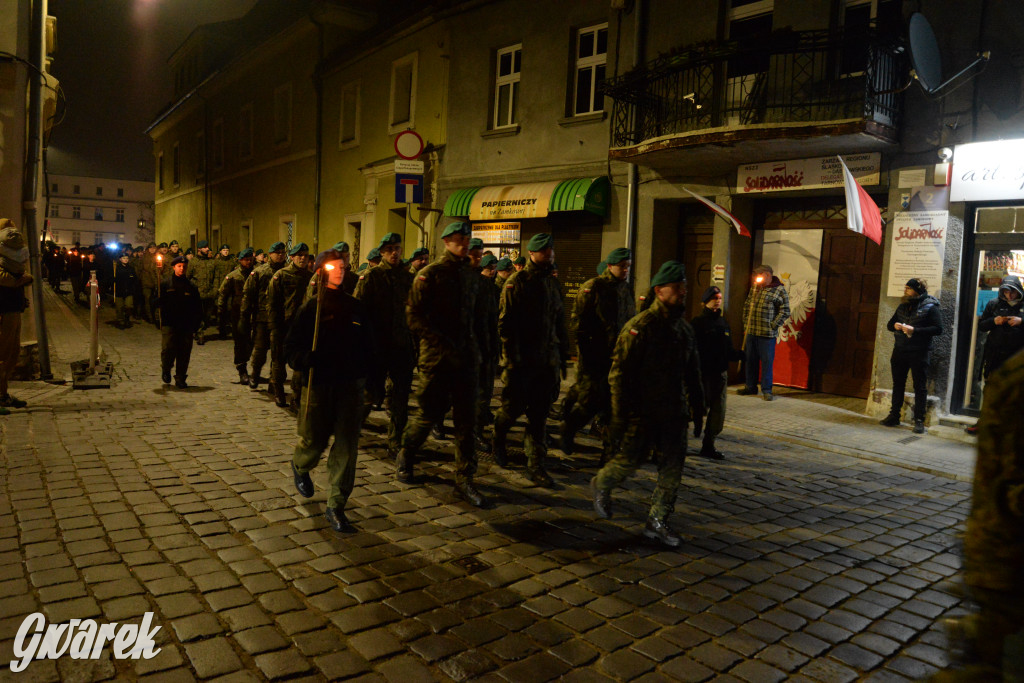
(808, 174)
(496, 202)
(917, 249)
(988, 170)
(497, 233)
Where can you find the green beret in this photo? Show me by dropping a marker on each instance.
(601, 266)
(189, 251)
(521, 261)
(298, 249)
(276, 247)
(203, 244)
(670, 271)
(151, 244)
(173, 242)
(618, 256)
(373, 255)
(162, 245)
(422, 251)
(488, 260)
(361, 268)
(457, 228)
(502, 265)
(246, 253)
(340, 247)
(540, 242)
(476, 243)
(389, 239)
(225, 246)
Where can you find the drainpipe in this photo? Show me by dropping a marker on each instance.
(634, 173)
(30, 181)
(318, 88)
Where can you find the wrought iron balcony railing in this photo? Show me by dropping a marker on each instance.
(789, 77)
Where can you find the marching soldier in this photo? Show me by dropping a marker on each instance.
(418, 259)
(229, 307)
(503, 271)
(535, 348)
(150, 283)
(256, 312)
(223, 263)
(172, 250)
(284, 296)
(443, 311)
(655, 374)
(202, 273)
(603, 306)
(373, 258)
(385, 291)
(259, 258)
(492, 352)
(181, 313)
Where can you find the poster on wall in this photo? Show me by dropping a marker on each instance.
(916, 250)
(795, 255)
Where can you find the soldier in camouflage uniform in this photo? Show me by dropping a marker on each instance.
(373, 258)
(655, 374)
(150, 280)
(255, 322)
(603, 306)
(384, 291)
(223, 263)
(419, 258)
(992, 641)
(284, 296)
(349, 279)
(492, 297)
(503, 271)
(444, 311)
(229, 306)
(202, 273)
(173, 251)
(535, 348)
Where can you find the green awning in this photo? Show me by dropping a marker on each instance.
(457, 205)
(582, 194)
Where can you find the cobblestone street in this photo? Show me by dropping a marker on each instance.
(798, 562)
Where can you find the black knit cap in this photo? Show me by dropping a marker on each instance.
(917, 286)
(710, 293)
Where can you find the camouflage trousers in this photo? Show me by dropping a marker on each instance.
(638, 438)
(149, 303)
(528, 390)
(442, 386)
(396, 382)
(260, 346)
(209, 314)
(335, 409)
(278, 365)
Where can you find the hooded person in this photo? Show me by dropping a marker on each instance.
(1002, 320)
(334, 358)
(914, 324)
(716, 350)
(13, 279)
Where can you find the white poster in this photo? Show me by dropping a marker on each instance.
(917, 249)
(807, 174)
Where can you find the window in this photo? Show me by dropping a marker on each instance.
(119, 215)
(283, 115)
(160, 172)
(76, 212)
(77, 190)
(176, 165)
(591, 58)
(245, 132)
(54, 211)
(506, 86)
(99, 191)
(98, 214)
(402, 111)
(76, 238)
(54, 188)
(349, 124)
(749, 21)
(200, 155)
(217, 143)
(120, 192)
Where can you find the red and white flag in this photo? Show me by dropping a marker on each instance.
(740, 228)
(862, 214)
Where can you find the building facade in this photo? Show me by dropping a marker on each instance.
(87, 211)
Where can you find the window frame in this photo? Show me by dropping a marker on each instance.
(54, 211)
(513, 79)
(398, 126)
(592, 62)
(176, 165)
(280, 142)
(97, 213)
(357, 87)
(119, 215)
(246, 111)
(76, 212)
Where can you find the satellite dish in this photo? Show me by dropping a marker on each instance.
(926, 59)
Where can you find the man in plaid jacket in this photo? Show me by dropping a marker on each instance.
(764, 312)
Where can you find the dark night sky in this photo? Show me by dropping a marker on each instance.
(111, 61)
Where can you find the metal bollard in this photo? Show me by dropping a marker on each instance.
(94, 322)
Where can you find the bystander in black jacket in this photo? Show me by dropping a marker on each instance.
(344, 342)
(714, 341)
(1003, 340)
(180, 307)
(921, 313)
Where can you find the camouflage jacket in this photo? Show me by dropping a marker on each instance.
(150, 273)
(445, 313)
(603, 306)
(994, 542)
(232, 287)
(385, 293)
(531, 322)
(254, 294)
(655, 369)
(284, 295)
(202, 273)
(222, 266)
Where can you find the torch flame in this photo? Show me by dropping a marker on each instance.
(328, 267)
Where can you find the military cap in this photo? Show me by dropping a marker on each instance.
(203, 244)
(361, 268)
(180, 259)
(151, 244)
(373, 255)
(670, 271)
(246, 253)
(389, 239)
(189, 251)
(258, 252)
(618, 256)
(476, 243)
(340, 247)
(488, 260)
(324, 256)
(540, 241)
(225, 246)
(457, 228)
(277, 247)
(521, 261)
(173, 242)
(298, 249)
(502, 265)
(422, 251)
(162, 245)
(601, 267)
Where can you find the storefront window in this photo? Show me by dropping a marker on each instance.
(1001, 219)
(993, 266)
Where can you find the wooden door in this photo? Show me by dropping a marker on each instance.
(696, 257)
(846, 314)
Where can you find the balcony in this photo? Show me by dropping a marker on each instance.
(791, 86)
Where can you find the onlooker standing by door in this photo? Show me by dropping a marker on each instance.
(764, 312)
(1002, 320)
(916, 321)
(13, 278)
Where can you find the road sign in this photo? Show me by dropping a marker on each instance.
(409, 166)
(408, 144)
(408, 188)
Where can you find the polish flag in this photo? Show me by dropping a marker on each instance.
(862, 214)
(740, 228)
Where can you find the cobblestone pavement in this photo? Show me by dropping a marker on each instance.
(797, 563)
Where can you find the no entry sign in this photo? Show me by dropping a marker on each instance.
(408, 144)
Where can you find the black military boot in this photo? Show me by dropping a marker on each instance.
(498, 449)
(707, 450)
(303, 482)
(200, 340)
(280, 398)
(338, 521)
(658, 530)
(602, 500)
(466, 491)
(540, 477)
(243, 376)
(403, 467)
(254, 379)
(566, 438)
(165, 376)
